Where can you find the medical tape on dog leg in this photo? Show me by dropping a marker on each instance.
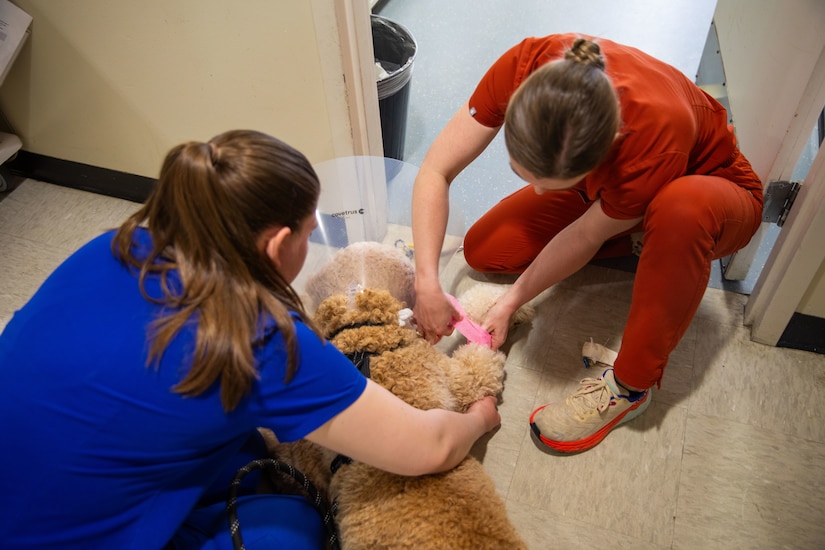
(593, 353)
(470, 330)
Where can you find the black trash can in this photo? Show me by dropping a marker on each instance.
(395, 50)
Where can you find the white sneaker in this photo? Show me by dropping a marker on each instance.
(585, 417)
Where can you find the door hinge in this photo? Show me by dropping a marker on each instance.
(779, 198)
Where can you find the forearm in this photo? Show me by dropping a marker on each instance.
(458, 144)
(564, 255)
(381, 430)
(430, 212)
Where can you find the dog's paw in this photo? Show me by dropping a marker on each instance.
(478, 299)
(477, 371)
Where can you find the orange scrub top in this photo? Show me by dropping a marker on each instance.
(670, 127)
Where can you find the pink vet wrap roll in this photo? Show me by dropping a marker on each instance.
(470, 330)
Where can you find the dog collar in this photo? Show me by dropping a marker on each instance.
(353, 326)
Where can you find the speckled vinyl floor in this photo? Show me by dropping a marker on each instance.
(730, 454)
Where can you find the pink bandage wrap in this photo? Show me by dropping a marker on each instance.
(470, 330)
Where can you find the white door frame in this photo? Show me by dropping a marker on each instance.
(769, 51)
(800, 248)
(355, 36)
(793, 263)
(774, 60)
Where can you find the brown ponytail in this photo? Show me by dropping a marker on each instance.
(211, 203)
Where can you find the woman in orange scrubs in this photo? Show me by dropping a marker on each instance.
(610, 141)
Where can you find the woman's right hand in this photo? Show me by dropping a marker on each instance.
(434, 314)
(487, 407)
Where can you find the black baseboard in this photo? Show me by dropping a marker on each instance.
(804, 332)
(81, 176)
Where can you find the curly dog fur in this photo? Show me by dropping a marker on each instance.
(375, 509)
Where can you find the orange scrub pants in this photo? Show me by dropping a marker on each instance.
(690, 222)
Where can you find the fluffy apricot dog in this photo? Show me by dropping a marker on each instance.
(361, 297)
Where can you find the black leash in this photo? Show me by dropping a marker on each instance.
(318, 500)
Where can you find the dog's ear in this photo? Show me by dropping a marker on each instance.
(365, 322)
(366, 306)
(331, 314)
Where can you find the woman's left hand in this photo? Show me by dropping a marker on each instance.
(497, 322)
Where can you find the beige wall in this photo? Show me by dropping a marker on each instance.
(115, 83)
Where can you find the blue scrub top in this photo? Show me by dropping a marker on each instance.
(98, 451)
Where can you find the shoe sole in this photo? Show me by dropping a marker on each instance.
(589, 442)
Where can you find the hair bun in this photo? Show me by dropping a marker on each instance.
(585, 52)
